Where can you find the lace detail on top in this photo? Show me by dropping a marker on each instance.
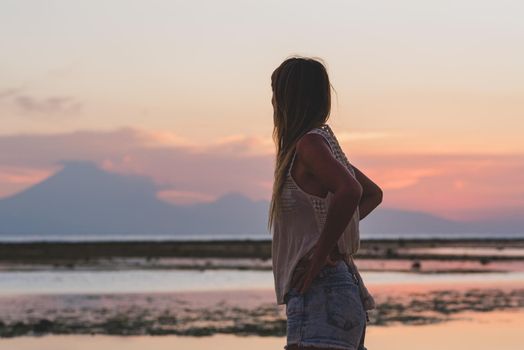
(328, 134)
(288, 201)
(320, 204)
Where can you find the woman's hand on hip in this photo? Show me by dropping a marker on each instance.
(311, 271)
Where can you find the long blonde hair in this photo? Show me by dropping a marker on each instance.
(301, 102)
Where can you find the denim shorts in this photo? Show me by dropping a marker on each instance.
(330, 314)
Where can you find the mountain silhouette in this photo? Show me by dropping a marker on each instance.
(82, 199)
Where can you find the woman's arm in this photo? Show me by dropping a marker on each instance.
(320, 162)
(371, 194)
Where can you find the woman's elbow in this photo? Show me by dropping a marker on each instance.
(377, 197)
(380, 195)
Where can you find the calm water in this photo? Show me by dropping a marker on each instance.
(57, 282)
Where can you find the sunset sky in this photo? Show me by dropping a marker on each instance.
(429, 102)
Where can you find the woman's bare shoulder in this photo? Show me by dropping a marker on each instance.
(312, 147)
(312, 140)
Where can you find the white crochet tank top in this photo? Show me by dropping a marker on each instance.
(300, 222)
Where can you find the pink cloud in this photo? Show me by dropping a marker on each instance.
(460, 186)
(454, 186)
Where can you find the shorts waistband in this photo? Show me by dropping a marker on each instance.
(341, 266)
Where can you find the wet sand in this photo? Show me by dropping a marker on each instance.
(473, 330)
(241, 312)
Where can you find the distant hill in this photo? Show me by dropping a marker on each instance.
(82, 199)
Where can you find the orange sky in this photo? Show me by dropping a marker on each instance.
(429, 95)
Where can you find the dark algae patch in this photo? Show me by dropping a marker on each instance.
(69, 255)
(163, 314)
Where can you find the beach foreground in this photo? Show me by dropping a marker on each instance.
(472, 330)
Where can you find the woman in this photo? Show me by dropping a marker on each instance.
(317, 202)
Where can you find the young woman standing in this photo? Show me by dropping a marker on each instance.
(318, 200)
